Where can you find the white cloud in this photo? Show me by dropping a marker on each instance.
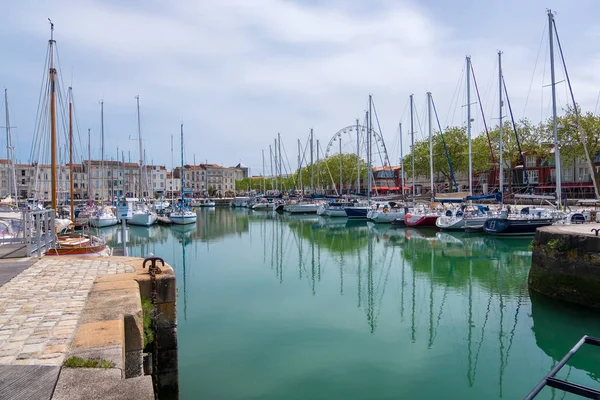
(238, 72)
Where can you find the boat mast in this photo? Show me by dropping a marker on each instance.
(318, 180)
(312, 165)
(182, 171)
(401, 159)
(469, 124)
(272, 174)
(102, 149)
(500, 126)
(279, 158)
(275, 157)
(299, 168)
(72, 197)
(172, 165)
(430, 146)
(89, 169)
(10, 154)
(369, 126)
(554, 123)
(263, 162)
(53, 142)
(358, 156)
(137, 99)
(341, 192)
(412, 144)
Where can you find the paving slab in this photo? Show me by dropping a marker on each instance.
(27, 382)
(104, 384)
(10, 269)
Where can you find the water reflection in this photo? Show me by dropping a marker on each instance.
(460, 301)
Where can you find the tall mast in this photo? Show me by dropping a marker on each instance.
(300, 168)
(369, 126)
(102, 150)
(412, 144)
(272, 174)
(312, 165)
(53, 141)
(172, 165)
(554, 123)
(318, 180)
(263, 162)
(500, 127)
(357, 157)
(341, 192)
(401, 159)
(10, 154)
(469, 124)
(430, 145)
(89, 169)
(72, 197)
(139, 127)
(182, 171)
(275, 159)
(279, 157)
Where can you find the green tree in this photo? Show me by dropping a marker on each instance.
(575, 142)
(211, 191)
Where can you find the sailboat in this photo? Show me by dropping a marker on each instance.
(141, 214)
(425, 216)
(529, 219)
(67, 243)
(102, 216)
(182, 215)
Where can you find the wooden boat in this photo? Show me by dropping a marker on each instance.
(78, 244)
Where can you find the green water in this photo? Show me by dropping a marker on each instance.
(276, 307)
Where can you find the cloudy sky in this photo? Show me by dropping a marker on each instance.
(237, 72)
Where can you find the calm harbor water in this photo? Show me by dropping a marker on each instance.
(285, 307)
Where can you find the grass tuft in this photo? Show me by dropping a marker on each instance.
(78, 362)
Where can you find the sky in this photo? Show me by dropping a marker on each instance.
(238, 72)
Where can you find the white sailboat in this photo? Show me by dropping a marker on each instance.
(141, 214)
(102, 216)
(182, 215)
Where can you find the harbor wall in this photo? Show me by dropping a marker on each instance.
(565, 264)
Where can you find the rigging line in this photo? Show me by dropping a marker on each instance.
(380, 135)
(444, 143)
(543, 78)
(288, 166)
(487, 132)
(597, 101)
(488, 89)
(454, 101)
(534, 69)
(512, 118)
(330, 175)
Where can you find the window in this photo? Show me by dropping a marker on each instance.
(567, 175)
(533, 176)
(531, 161)
(23, 172)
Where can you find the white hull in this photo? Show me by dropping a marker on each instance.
(332, 212)
(475, 223)
(381, 217)
(450, 223)
(143, 219)
(183, 218)
(309, 208)
(263, 207)
(102, 222)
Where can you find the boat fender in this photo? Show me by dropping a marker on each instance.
(385, 210)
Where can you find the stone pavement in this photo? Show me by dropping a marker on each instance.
(40, 308)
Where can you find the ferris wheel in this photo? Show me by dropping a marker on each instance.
(354, 137)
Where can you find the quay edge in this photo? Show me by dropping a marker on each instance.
(565, 264)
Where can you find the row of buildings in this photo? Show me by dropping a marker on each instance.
(576, 179)
(97, 180)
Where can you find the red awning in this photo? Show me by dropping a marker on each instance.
(395, 189)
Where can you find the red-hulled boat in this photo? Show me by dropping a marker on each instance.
(421, 220)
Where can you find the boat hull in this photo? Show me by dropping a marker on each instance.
(450, 223)
(102, 222)
(302, 208)
(356, 212)
(514, 227)
(143, 219)
(420, 220)
(382, 217)
(183, 219)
